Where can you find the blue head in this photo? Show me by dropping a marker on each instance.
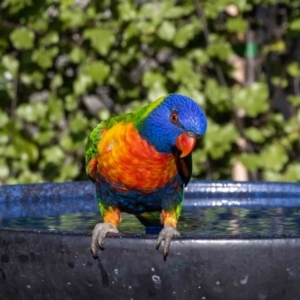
(175, 123)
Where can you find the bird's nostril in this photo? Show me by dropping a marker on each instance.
(191, 134)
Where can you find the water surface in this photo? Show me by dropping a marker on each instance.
(194, 220)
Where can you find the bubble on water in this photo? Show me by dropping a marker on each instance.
(152, 269)
(129, 286)
(203, 298)
(174, 292)
(262, 295)
(28, 286)
(116, 271)
(244, 280)
(235, 283)
(157, 281)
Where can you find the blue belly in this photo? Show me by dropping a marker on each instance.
(137, 201)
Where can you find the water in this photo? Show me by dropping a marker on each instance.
(200, 221)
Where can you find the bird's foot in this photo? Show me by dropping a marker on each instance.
(98, 235)
(166, 235)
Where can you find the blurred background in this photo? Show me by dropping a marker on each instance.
(65, 65)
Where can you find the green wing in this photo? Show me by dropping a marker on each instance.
(91, 151)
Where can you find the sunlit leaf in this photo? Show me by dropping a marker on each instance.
(97, 70)
(254, 99)
(10, 63)
(166, 31)
(22, 38)
(237, 25)
(274, 157)
(101, 39)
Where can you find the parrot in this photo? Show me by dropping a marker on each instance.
(140, 162)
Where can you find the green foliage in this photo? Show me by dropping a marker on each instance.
(67, 65)
(22, 38)
(236, 25)
(215, 146)
(253, 99)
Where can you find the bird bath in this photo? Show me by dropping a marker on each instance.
(239, 241)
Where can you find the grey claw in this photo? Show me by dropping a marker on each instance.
(98, 235)
(166, 235)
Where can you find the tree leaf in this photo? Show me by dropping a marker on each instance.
(166, 31)
(253, 99)
(97, 70)
(95, 35)
(22, 38)
(274, 157)
(11, 64)
(237, 25)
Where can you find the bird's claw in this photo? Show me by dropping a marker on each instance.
(166, 235)
(98, 235)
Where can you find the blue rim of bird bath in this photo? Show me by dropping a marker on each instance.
(34, 200)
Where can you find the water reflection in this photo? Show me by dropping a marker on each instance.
(194, 220)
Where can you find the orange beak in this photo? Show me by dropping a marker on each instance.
(185, 143)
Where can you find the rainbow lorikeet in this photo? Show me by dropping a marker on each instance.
(141, 161)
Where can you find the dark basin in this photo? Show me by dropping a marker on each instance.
(52, 264)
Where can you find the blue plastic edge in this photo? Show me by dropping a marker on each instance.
(60, 198)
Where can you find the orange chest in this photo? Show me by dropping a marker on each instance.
(124, 158)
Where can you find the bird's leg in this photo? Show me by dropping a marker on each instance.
(169, 219)
(111, 218)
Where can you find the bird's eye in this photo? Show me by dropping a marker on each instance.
(174, 117)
